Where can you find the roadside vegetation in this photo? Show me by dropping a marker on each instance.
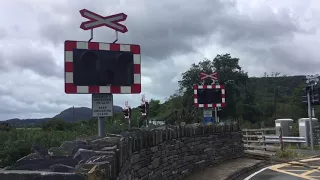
(287, 154)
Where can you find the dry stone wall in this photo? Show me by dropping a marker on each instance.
(176, 154)
(170, 152)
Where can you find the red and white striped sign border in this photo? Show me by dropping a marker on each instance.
(223, 96)
(70, 88)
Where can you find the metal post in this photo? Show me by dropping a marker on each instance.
(129, 124)
(281, 140)
(310, 119)
(216, 114)
(313, 113)
(101, 127)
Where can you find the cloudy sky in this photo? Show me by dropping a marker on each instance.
(267, 35)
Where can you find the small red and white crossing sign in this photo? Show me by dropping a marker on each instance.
(213, 76)
(97, 20)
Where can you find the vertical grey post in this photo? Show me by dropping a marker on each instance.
(216, 114)
(101, 127)
(129, 123)
(310, 119)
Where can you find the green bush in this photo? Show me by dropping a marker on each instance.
(287, 154)
(16, 143)
(57, 125)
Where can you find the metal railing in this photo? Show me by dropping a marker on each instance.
(267, 140)
(285, 139)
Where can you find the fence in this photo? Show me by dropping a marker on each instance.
(267, 140)
(316, 135)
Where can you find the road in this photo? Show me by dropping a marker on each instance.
(296, 170)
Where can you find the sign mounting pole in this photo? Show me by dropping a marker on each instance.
(143, 100)
(102, 106)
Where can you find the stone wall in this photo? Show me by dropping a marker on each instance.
(169, 152)
(174, 154)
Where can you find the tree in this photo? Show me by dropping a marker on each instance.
(154, 107)
(234, 79)
(230, 74)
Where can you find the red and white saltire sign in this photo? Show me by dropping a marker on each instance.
(213, 76)
(96, 20)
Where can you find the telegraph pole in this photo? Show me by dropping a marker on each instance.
(311, 81)
(310, 119)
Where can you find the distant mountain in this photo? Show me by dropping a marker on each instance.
(69, 115)
(82, 113)
(26, 122)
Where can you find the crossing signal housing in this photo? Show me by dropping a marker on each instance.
(127, 113)
(143, 109)
(314, 95)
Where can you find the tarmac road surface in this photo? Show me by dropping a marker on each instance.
(296, 170)
(268, 174)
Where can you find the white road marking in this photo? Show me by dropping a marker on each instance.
(255, 173)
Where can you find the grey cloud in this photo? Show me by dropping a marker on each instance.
(3, 63)
(167, 29)
(270, 28)
(299, 62)
(4, 90)
(269, 39)
(39, 61)
(4, 110)
(3, 33)
(162, 76)
(162, 29)
(290, 59)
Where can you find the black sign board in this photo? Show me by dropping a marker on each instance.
(209, 96)
(102, 68)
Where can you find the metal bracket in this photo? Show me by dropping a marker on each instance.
(91, 35)
(116, 37)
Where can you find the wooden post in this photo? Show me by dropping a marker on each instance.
(264, 140)
(280, 138)
(247, 138)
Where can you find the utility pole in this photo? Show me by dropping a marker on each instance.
(275, 101)
(311, 81)
(310, 119)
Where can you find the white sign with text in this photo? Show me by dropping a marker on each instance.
(207, 112)
(102, 105)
